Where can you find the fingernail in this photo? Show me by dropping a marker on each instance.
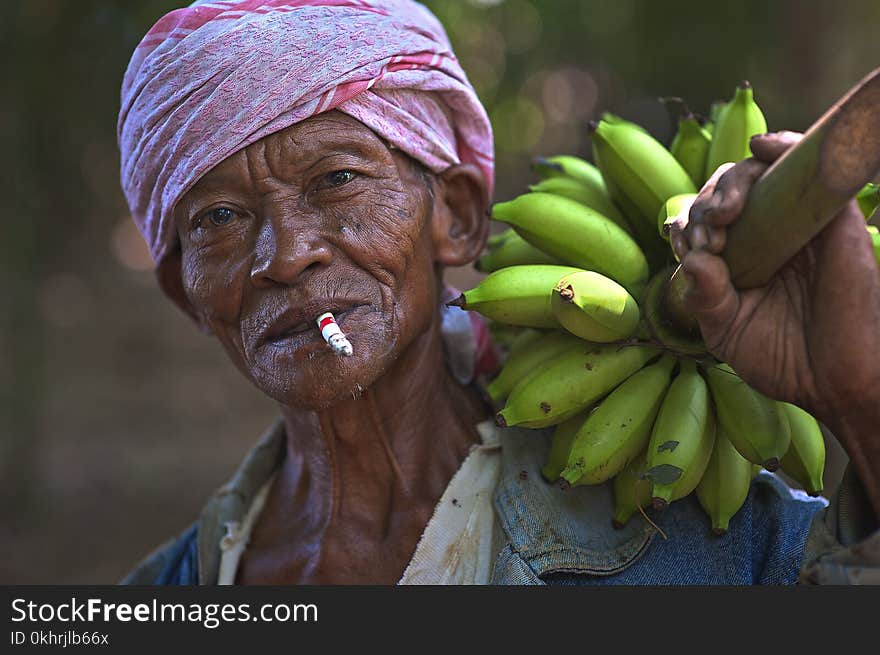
(699, 238)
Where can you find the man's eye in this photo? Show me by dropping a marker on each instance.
(338, 178)
(221, 216)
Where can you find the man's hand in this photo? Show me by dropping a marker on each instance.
(812, 335)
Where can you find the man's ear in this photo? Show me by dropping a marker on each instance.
(168, 274)
(460, 218)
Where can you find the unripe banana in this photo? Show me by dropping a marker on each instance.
(571, 167)
(525, 360)
(620, 426)
(498, 238)
(805, 459)
(594, 307)
(681, 439)
(868, 199)
(631, 491)
(724, 486)
(523, 337)
(571, 381)
(504, 335)
(658, 320)
(513, 250)
(577, 235)
(670, 209)
(690, 147)
(614, 119)
(738, 122)
(875, 241)
(640, 173)
(560, 446)
(516, 295)
(715, 110)
(753, 423)
(595, 196)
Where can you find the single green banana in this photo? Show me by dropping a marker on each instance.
(670, 209)
(753, 423)
(577, 235)
(516, 295)
(738, 122)
(690, 147)
(805, 459)
(681, 439)
(523, 337)
(620, 426)
(640, 175)
(632, 490)
(658, 320)
(523, 361)
(560, 446)
(724, 486)
(513, 250)
(504, 335)
(608, 117)
(499, 237)
(594, 307)
(571, 381)
(716, 109)
(569, 166)
(594, 197)
(714, 113)
(875, 241)
(868, 199)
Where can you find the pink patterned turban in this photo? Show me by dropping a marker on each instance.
(213, 78)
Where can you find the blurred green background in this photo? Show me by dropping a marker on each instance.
(117, 419)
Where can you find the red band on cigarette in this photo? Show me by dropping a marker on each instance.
(325, 322)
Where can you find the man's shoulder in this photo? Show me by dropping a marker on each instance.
(194, 555)
(175, 562)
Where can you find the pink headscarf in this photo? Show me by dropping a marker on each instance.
(213, 78)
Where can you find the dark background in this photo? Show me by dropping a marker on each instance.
(117, 419)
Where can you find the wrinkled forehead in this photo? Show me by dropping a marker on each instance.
(296, 147)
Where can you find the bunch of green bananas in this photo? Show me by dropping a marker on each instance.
(583, 273)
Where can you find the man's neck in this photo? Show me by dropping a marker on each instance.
(376, 462)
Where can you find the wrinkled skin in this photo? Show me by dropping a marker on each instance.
(811, 336)
(323, 216)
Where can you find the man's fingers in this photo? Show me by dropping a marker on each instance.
(711, 297)
(768, 147)
(729, 196)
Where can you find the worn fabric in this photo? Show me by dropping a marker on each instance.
(549, 536)
(212, 78)
(238, 534)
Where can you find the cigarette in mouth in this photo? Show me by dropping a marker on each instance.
(333, 335)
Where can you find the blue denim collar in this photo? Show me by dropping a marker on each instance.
(555, 530)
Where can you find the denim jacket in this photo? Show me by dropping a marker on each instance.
(550, 536)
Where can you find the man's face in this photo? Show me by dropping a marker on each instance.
(318, 217)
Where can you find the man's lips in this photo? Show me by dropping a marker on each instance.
(297, 324)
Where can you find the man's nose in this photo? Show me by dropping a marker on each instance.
(285, 252)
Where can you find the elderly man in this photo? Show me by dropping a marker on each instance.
(293, 157)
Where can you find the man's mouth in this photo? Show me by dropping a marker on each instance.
(292, 330)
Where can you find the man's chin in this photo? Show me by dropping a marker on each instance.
(318, 392)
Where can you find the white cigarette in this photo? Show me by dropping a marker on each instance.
(333, 334)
